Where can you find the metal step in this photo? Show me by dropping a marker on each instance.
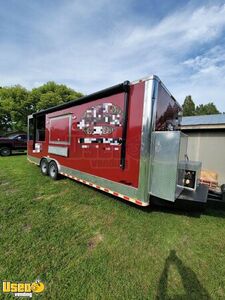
(188, 200)
(199, 196)
(193, 200)
(196, 200)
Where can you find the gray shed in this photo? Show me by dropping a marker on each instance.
(206, 141)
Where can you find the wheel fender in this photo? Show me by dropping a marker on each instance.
(49, 159)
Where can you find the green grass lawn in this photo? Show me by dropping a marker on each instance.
(88, 245)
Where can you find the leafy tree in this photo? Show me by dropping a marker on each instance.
(207, 109)
(48, 99)
(51, 94)
(13, 108)
(188, 106)
(5, 120)
(16, 103)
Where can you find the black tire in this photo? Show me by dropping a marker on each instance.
(44, 167)
(5, 151)
(53, 170)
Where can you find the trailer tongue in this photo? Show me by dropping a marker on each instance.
(124, 140)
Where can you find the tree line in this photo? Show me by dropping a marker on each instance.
(190, 109)
(16, 103)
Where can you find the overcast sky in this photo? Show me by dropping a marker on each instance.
(90, 45)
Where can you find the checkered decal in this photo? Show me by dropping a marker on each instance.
(101, 119)
(109, 141)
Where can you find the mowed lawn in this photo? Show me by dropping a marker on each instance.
(84, 244)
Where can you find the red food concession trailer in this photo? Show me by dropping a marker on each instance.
(124, 140)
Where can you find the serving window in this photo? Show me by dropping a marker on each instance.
(60, 130)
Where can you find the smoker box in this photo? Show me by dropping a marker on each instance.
(192, 174)
(168, 156)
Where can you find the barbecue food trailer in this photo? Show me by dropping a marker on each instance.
(124, 140)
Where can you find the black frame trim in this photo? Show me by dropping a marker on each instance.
(116, 89)
(34, 131)
(125, 120)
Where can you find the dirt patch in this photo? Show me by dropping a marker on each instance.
(27, 227)
(92, 244)
(11, 191)
(4, 183)
(59, 182)
(48, 197)
(45, 197)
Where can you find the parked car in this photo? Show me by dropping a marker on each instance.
(13, 142)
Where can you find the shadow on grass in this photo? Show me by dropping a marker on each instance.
(190, 211)
(192, 286)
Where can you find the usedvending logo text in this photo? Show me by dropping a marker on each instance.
(23, 289)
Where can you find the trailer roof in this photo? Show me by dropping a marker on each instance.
(119, 88)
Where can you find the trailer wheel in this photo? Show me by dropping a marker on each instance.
(53, 170)
(5, 151)
(44, 167)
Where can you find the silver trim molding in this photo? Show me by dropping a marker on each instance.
(151, 87)
(34, 160)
